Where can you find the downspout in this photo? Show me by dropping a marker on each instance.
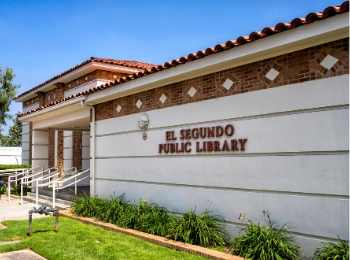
(92, 149)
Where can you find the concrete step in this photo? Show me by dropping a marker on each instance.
(47, 200)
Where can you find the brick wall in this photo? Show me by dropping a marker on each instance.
(98, 74)
(294, 67)
(51, 148)
(60, 148)
(57, 93)
(77, 148)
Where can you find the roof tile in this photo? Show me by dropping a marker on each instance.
(149, 68)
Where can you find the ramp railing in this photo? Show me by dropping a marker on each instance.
(68, 182)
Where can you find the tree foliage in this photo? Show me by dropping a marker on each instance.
(7, 93)
(14, 136)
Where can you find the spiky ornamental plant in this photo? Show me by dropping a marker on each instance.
(152, 218)
(333, 251)
(265, 242)
(201, 229)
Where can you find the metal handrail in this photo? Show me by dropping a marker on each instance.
(52, 182)
(15, 179)
(25, 179)
(55, 184)
(73, 176)
(40, 174)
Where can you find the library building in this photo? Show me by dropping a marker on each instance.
(257, 123)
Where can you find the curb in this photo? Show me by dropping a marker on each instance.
(213, 254)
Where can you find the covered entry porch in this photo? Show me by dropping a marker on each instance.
(59, 139)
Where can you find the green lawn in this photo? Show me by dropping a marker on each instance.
(76, 240)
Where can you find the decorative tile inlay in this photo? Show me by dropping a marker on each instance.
(272, 74)
(227, 84)
(162, 98)
(118, 108)
(139, 104)
(192, 91)
(328, 62)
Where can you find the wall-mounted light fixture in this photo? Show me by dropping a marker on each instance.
(143, 124)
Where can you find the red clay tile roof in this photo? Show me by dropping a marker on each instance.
(267, 31)
(125, 63)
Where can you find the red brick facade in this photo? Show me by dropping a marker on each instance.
(60, 147)
(51, 148)
(294, 67)
(45, 98)
(77, 148)
(97, 74)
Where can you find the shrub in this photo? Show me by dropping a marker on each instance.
(333, 251)
(2, 190)
(202, 229)
(152, 218)
(88, 206)
(145, 216)
(265, 242)
(16, 190)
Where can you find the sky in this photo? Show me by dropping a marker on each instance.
(39, 39)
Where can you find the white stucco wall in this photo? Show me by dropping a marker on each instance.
(85, 153)
(10, 155)
(26, 143)
(67, 149)
(295, 166)
(40, 148)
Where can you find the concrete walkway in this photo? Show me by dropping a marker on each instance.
(25, 254)
(13, 210)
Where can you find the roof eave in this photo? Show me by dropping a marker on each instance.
(83, 69)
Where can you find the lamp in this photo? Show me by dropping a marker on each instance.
(143, 124)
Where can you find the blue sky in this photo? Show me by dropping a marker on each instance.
(40, 39)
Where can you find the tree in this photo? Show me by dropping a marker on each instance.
(14, 136)
(7, 94)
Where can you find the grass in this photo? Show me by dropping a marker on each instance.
(76, 240)
(13, 166)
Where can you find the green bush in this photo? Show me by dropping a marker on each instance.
(202, 229)
(333, 251)
(2, 190)
(13, 166)
(152, 219)
(264, 242)
(16, 190)
(144, 216)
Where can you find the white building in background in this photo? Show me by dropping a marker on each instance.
(10, 155)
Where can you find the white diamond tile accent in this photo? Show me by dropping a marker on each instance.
(162, 98)
(272, 74)
(139, 104)
(118, 108)
(227, 84)
(192, 91)
(328, 62)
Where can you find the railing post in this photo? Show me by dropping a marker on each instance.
(75, 186)
(36, 193)
(22, 191)
(54, 195)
